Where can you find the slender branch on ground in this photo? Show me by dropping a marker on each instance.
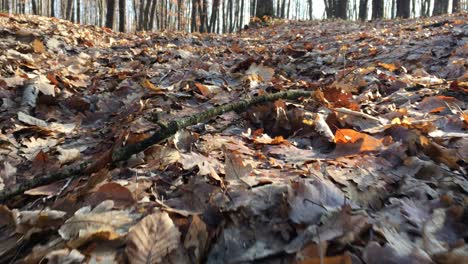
(124, 153)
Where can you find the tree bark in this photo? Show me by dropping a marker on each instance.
(377, 9)
(265, 8)
(214, 15)
(78, 11)
(193, 25)
(425, 5)
(363, 10)
(403, 8)
(440, 7)
(152, 15)
(341, 10)
(122, 15)
(203, 11)
(68, 14)
(110, 14)
(179, 14)
(311, 10)
(146, 14)
(34, 7)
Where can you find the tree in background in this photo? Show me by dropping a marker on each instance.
(336, 8)
(264, 8)
(456, 6)
(377, 9)
(363, 9)
(110, 13)
(403, 8)
(122, 15)
(440, 7)
(219, 16)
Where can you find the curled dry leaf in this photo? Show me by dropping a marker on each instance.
(101, 222)
(152, 239)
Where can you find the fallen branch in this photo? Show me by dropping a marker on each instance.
(172, 127)
(121, 154)
(39, 181)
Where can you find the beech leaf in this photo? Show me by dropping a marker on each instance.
(152, 239)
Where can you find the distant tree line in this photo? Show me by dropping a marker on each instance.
(221, 16)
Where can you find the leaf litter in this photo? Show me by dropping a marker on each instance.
(371, 168)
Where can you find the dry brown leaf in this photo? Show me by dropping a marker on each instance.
(101, 222)
(197, 238)
(38, 46)
(149, 85)
(152, 239)
(121, 196)
(205, 91)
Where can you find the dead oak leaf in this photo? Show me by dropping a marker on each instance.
(152, 239)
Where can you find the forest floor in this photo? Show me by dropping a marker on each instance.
(371, 168)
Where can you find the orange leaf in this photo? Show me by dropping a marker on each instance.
(148, 85)
(437, 110)
(349, 136)
(388, 66)
(38, 46)
(205, 91)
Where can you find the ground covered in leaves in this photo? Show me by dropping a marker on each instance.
(371, 168)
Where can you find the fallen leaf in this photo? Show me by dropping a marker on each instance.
(101, 222)
(363, 141)
(38, 46)
(152, 239)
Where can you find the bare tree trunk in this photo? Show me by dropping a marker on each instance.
(311, 10)
(440, 7)
(264, 8)
(122, 15)
(403, 8)
(214, 16)
(152, 15)
(377, 9)
(146, 13)
(363, 10)
(193, 25)
(68, 14)
(110, 14)
(425, 6)
(231, 10)
(455, 6)
(283, 9)
(342, 9)
(34, 7)
(179, 15)
(78, 11)
(241, 17)
(203, 10)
